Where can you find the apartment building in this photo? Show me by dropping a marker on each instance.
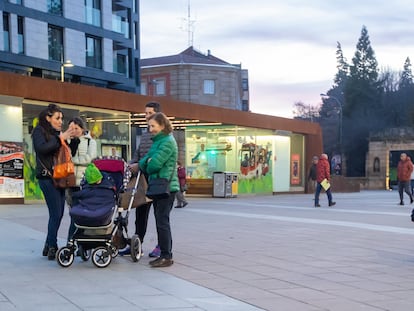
(89, 42)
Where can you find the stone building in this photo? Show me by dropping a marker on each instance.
(192, 76)
(383, 155)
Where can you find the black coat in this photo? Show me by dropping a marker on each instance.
(45, 150)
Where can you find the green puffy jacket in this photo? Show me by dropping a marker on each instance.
(163, 154)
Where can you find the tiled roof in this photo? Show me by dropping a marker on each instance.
(188, 56)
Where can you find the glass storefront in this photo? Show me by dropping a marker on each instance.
(110, 129)
(264, 161)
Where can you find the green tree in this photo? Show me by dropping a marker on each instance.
(363, 108)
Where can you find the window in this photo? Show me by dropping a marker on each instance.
(245, 84)
(55, 7)
(93, 12)
(144, 88)
(120, 18)
(20, 34)
(120, 61)
(55, 43)
(93, 52)
(6, 31)
(209, 87)
(159, 87)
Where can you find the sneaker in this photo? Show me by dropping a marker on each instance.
(185, 204)
(161, 262)
(317, 205)
(126, 251)
(156, 252)
(332, 203)
(178, 206)
(45, 250)
(401, 203)
(51, 254)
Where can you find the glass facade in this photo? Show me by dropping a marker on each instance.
(110, 129)
(264, 161)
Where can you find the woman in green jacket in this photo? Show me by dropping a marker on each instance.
(160, 162)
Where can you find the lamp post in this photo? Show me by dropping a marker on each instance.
(63, 65)
(340, 119)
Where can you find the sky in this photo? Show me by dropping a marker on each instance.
(288, 47)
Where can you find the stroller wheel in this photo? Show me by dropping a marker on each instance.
(115, 251)
(101, 257)
(65, 256)
(85, 254)
(136, 249)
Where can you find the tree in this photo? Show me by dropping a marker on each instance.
(305, 112)
(406, 78)
(342, 75)
(362, 111)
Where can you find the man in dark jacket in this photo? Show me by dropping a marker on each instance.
(322, 174)
(404, 170)
(142, 212)
(312, 175)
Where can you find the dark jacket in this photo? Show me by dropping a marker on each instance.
(45, 150)
(163, 154)
(322, 170)
(143, 148)
(312, 172)
(404, 170)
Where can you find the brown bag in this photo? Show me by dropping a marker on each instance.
(139, 198)
(65, 182)
(63, 165)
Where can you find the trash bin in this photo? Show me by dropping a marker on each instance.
(225, 184)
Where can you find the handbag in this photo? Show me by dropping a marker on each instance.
(65, 182)
(158, 188)
(139, 195)
(63, 165)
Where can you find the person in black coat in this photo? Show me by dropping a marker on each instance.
(312, 175)
(46, 142)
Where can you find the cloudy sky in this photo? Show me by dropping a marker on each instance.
(288, 46)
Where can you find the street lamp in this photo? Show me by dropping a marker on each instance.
(340, 119)
(63, 65)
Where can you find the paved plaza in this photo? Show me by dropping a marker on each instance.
(245, 253)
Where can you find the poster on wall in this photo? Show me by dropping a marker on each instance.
(11, 170)
(295, 169)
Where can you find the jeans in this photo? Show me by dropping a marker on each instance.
(180, 198)
(318, 191)
(162, 209)
(55, 201)
(404, 186)
(141, 220)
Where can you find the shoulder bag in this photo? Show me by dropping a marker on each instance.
(159, 188)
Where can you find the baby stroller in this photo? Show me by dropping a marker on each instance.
(101, 224)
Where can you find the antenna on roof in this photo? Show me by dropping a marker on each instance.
(189, 27)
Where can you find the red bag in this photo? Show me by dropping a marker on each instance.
(63, 165)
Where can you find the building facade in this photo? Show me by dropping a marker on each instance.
(99, 38)
(198, 78)
(269, 154)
